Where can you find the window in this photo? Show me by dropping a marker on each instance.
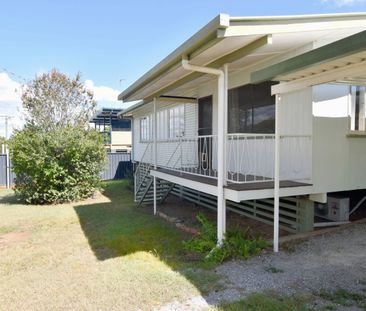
(170, 124)
(251, 109)
(145, 129)
(358, 113)
(162, 123)
(176, 122)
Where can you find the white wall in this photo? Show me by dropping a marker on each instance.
(122, 138)
(165, 148)
(339, 161)
(296, 135)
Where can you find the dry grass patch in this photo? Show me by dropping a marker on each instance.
(104, 254)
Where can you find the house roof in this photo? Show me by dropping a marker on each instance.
(241, 42)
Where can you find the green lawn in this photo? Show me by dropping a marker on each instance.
(106, 254)
(103, 254)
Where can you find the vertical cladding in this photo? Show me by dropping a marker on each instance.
(296, 126)
(166, 148)
(296, 113)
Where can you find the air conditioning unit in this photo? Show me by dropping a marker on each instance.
(336, 209)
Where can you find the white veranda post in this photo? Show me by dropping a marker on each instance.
(276, 216)
(155, 152)
(221, 150)
(221, 99)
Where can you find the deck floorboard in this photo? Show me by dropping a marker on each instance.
(253, 185)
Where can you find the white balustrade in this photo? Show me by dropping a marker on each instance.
(249, 157)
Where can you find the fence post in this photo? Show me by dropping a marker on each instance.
(7, 167)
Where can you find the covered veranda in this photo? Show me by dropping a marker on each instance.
(190, 65)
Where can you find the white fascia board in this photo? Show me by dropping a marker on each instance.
(266, 193)
(230, 194)
(271, 27)
(203, 187)
(306, 17)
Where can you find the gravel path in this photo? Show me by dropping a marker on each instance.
(336, 260)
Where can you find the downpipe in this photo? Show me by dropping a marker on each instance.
(221, 96)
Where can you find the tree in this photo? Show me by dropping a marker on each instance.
(54, 100)
(60, 165)
(56, 157)
(2, 140)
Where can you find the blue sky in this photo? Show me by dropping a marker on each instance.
(112, 40)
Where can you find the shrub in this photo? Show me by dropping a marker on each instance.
(60, 165)
(237, 244)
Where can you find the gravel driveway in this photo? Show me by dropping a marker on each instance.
(331, 261)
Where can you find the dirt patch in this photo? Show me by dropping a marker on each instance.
(12, 237)
(288, 242)
(97, 197)
(185, 213)
(178, 224)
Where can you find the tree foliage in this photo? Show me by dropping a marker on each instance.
(2, 140)
(57, 166)
(57, 157)
(54, 100)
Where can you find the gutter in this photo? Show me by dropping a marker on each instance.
(307, 17)
(130, 109)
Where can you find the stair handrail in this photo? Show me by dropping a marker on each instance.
(141, 178)
(174, 152)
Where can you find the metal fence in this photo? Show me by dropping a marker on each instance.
(119, 166)
(3, 172)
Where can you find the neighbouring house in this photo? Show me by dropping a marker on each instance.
(116, 131)
(263, 116)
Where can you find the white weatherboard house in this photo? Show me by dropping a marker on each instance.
(262, 116)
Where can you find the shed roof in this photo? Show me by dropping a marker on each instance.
(105, 115)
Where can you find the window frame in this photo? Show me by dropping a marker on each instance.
(352, 110)
(246, 97)
(176, 122)
(145, 129)
(171, 124)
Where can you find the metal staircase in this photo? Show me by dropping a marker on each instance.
(144, 186)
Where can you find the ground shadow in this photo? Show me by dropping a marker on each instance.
(7, 197)
(118, 228)
(123, 170)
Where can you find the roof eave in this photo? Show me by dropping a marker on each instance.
(128, 110)
(207, 33)
(217, 29)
